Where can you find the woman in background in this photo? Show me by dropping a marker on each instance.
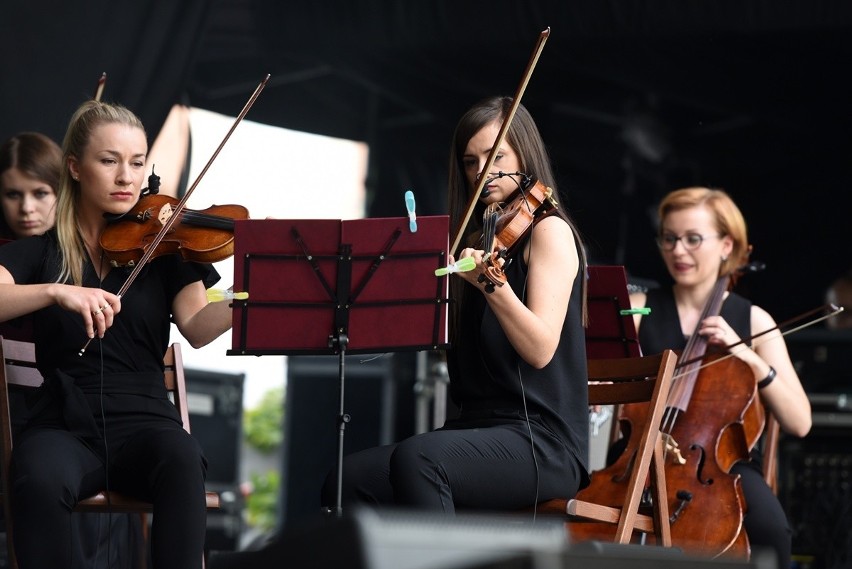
(29, 175)
(702, 237)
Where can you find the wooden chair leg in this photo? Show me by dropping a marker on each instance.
(662, 526)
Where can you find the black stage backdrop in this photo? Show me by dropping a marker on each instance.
(634, 97)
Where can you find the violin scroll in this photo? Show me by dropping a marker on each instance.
(493, 275)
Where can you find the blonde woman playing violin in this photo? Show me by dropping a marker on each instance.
(104, 415)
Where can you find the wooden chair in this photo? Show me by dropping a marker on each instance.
(772, 434)
(18, 372)
(615, 382)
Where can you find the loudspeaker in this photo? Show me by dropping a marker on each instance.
(386, 539)
(311, 411)
(815, 477)
(600, 555)
(215, 402)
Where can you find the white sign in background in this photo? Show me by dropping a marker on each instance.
(277, 173)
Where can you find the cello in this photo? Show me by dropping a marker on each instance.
(713, 419)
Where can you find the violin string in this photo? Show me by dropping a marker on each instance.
(207, 220)
(681, 392)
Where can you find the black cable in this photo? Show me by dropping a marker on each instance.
(106, 456)
(523, 391)
(104, 422)
(532, 442)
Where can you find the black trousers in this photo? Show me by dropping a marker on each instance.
(481, 464)
(52, 468)
(765, 521)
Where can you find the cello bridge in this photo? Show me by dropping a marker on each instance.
(670, 445)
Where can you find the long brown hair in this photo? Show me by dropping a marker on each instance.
(35, 155)
(525, 139)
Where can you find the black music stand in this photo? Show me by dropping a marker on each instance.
(331, 287)
(611, 332)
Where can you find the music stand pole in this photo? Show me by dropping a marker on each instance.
(341, 341)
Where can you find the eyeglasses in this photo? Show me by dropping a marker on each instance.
(691, 241)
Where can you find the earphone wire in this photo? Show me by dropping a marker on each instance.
(520, 375)
(104, 423)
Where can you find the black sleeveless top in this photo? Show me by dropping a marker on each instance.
(487, 374)
(660, 330)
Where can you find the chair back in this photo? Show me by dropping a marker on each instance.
(176, 382)
(17, 372)
(615, 382)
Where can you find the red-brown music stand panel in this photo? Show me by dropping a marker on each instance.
(372, 280)
(611, 332)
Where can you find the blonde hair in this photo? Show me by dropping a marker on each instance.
(89, 116)
(729, 220)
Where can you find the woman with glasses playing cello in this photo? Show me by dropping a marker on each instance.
(702, 237)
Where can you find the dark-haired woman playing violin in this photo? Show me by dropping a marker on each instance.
(702, 236)
(517, 364)
(103, 416)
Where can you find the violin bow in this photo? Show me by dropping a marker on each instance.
(99, 90)
(501, 135)
(832, 311)
(181, 205)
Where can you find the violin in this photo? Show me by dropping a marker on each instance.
(203, 236)
(505, 225)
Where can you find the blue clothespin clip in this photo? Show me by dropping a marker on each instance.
(409, 205)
